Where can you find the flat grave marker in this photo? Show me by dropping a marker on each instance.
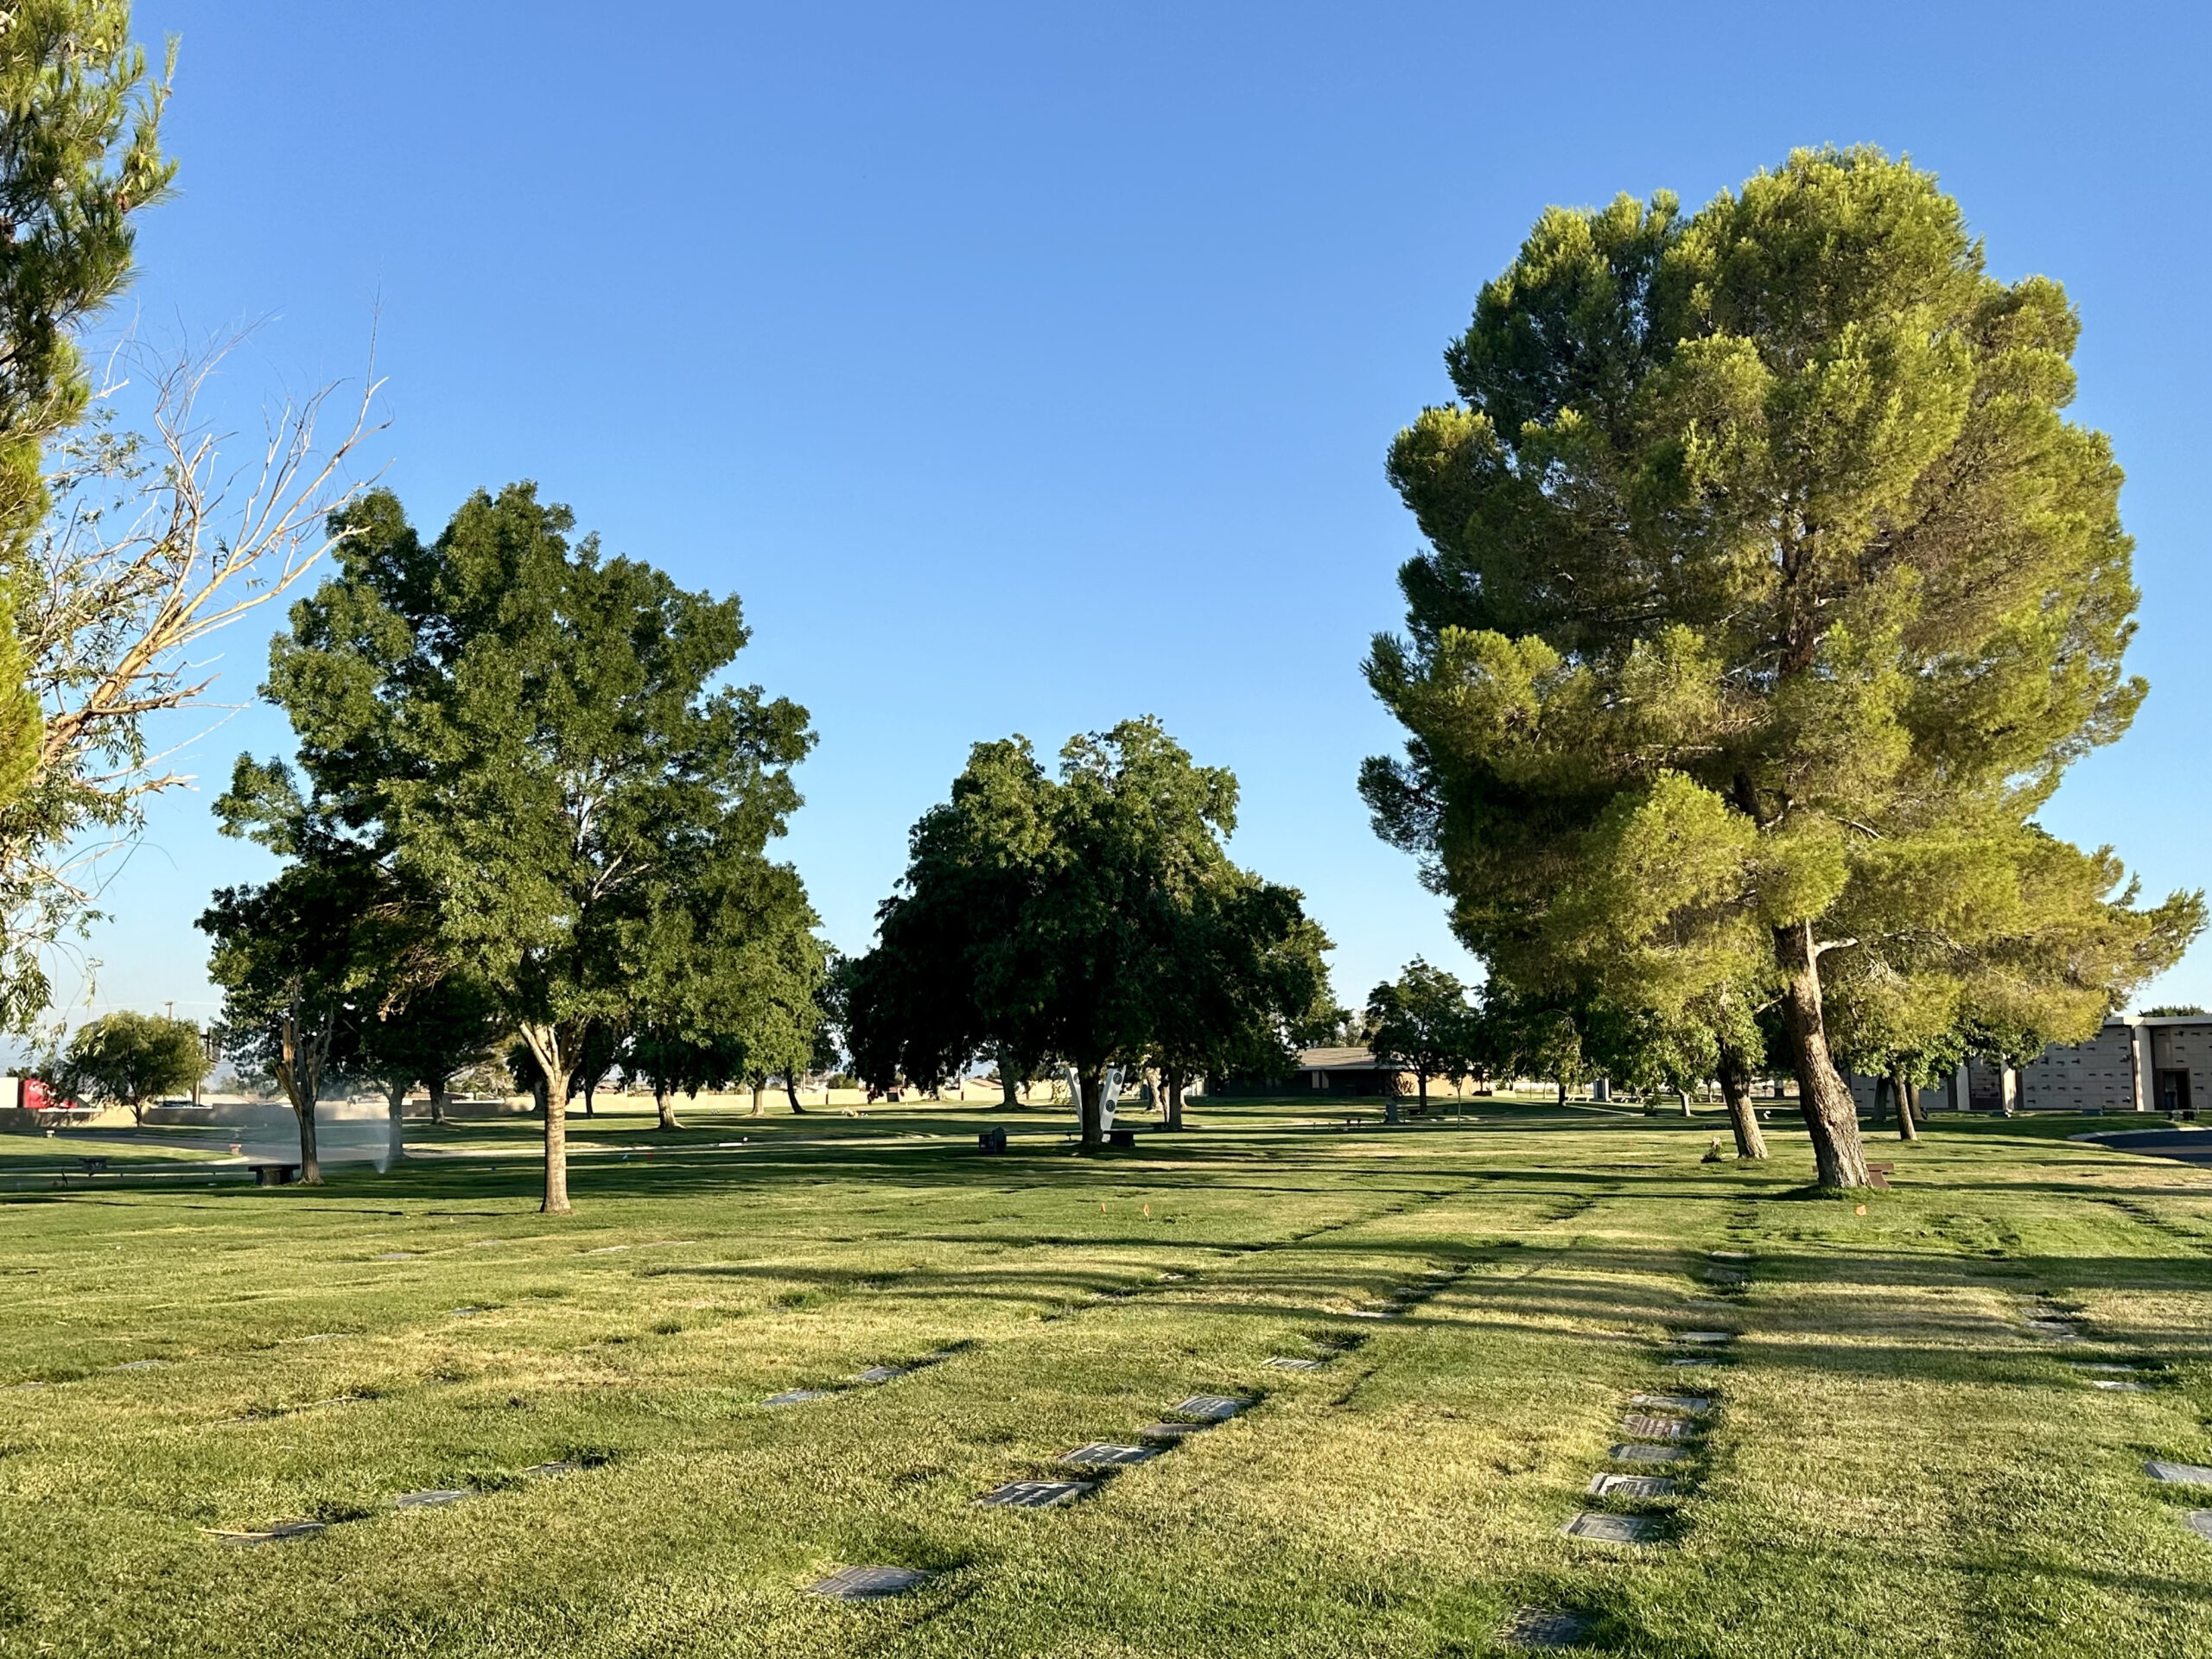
(1644, 1426)
(868, 1583)
(397, 1256)
(1171, 1431)
(798, 1396)
(276, 1534)
(1705, 1336)
(1632, 1452)
(1035, 1494)
(2053, 1328)
(435, 1498)
(2102, 1365)
(1105, 1452)
(1730, 1255)
(2117, 1385)
(1694, 1359)
(1603, 1528)
(1692, 1403)
(2179, 1474)
(879, 1374)
(139, 1365)
(1282, 1363)
(2200, 1522)
(1214, 1408)
(1631, 1486)
(1543, 1627)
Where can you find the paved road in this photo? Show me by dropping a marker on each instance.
(2189, 1146)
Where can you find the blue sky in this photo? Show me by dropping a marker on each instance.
(1026, 367)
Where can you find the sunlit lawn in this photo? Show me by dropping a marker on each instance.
(1896, 1464)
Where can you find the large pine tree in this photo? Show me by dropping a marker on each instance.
(1770, 593)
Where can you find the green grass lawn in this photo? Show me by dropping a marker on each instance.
(1895, 1464)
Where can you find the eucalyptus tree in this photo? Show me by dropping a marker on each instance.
(534, 738)
(1770, 593)
(1088, 917)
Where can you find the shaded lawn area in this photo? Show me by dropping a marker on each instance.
(1897, 1462)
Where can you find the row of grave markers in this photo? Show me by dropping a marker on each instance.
(1654, 1435)
(1659, 1429)
(1189, 1416)
(435, 1498)
(2060, 1324)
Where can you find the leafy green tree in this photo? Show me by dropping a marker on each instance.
(1654, 1054)
(291, 956)
(1523, 1032)
(2174, 1011)
(1241, 983)
(132, 1058)
(533, 732)
(673, 1063)
(430, 1032)
(1769, 594)
(1422, 1022)
(1091, 917)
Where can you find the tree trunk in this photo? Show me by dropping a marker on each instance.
(310, 1164)
(395, 1093)
(591, 1088)
(437, 1100)
(1743, 1117)
(1683, 1096)
(662, 1110)
(1008, 1085)
(757, 1090)
(557, 1146)
(1831, 1115)
(790, 1092)
(1092, 1109)
(1901, 1088)
(1562, 1085)
(302, 1044)
(2008, 1088)
(1171, 1108)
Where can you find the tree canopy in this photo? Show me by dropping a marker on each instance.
(1769, 593)
(296, 957)
(131, 1059)
(532, 739)
(1093, 917)
(1423, 1021)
